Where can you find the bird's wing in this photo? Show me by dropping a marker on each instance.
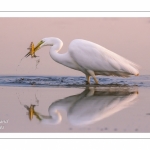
(91, 56)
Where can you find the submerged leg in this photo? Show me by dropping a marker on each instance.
(88, 79)
(93, 75)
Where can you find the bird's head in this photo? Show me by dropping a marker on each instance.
(44, 42)
(50, 41)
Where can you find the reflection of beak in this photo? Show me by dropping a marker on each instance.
(37, 47)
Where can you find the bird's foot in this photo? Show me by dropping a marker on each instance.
(87, 83)
(96, 83)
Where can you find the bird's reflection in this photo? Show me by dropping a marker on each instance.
(91, 105)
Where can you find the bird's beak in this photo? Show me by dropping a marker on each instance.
(37, 47)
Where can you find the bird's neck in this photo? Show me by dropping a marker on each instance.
(60, 58)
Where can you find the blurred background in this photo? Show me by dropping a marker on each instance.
(128, 37)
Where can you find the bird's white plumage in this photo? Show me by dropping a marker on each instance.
(90, 58)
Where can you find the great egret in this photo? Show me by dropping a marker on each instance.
(90, 106)
(89, 58)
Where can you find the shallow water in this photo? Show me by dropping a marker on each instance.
(66, 81)
(117, 105)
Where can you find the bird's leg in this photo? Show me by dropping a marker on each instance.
(93, 75)
(96, 81)
(88, 79)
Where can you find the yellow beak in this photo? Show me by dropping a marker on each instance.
(38, 46)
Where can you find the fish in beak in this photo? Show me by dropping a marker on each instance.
(33, 49)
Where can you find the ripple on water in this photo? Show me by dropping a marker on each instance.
(141, 81)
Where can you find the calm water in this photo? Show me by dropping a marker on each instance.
(67, 104)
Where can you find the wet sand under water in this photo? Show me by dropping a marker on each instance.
(100, 109)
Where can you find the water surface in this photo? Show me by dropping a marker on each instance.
(67, 104)
(67, 81)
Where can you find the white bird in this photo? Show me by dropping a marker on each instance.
(89, 58)
(90, 106)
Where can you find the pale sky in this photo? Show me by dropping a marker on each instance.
(128, 37)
